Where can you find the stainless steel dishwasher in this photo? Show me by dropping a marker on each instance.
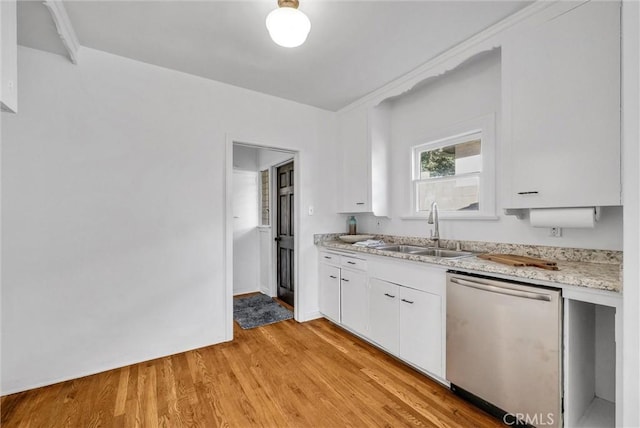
(504, 348)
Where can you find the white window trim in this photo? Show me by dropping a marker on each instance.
(260, 201)
(485, 126)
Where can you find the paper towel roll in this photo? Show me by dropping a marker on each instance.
(563, 217)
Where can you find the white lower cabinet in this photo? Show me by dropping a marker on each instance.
(329, 292)
(592, 364)
(396, 305)
(383, 306)
(355, 308)
(407, 323)
(342, 290)
(420, 329)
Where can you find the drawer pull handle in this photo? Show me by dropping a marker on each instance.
(332, 276)
(359, 203)
(345, 280)
(389, 295)
(327, 257)
(535, 192)
(407, 301)
(352, 263)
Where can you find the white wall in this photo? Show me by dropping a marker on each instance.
(470, 91)
(113, 211)
(246, 254)
(269, 158)
(245, 157)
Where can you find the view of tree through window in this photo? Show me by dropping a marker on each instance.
(438, 163)
(450, 175)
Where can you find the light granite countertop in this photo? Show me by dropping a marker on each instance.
(594, 269)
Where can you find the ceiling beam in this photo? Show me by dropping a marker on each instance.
(64, 27)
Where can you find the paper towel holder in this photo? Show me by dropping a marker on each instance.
(596, 213)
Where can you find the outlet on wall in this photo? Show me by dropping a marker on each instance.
(556, 232)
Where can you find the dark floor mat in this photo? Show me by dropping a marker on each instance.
(258, 310)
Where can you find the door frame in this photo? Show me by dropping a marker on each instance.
(230, 140)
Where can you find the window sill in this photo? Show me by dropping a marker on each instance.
(481, 217)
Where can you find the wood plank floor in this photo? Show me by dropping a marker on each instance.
(286, 374)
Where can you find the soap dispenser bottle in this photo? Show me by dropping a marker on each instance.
(352, 225)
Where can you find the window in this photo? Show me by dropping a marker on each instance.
(456, 172)
(264, 198)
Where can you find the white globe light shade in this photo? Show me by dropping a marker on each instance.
(288, 27)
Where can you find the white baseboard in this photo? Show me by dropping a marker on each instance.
(246, 291)
(311, 316)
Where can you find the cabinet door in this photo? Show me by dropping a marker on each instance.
(383, 318)
(355, 303)
(421, 329)
(329, 292)
(561, 88)
(355, 179)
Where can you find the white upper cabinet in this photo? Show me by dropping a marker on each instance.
(8, 56)
(561, 110)
(363, 138)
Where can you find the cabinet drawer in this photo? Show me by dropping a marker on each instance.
(420, 276)
(353, 263)
(330, 258)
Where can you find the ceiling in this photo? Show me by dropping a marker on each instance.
(354, 47)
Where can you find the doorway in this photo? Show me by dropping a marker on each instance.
(285, 233)
(274, 261)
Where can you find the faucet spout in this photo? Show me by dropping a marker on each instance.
(433, 219)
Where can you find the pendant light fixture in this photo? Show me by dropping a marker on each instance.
(288, 27)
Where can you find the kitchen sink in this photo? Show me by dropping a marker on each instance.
(425, 251)
(402, 248)
(446, 254)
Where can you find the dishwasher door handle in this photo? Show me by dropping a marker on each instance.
(500, 290)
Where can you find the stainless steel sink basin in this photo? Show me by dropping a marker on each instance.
(425, 251)
(446, 254)
(402, 248)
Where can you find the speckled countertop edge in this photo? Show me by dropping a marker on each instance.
(589, 273)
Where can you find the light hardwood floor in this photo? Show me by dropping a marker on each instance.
(286, 374)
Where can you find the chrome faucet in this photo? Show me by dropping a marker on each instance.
(433, 219)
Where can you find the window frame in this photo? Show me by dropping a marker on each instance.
(261, 206)
(482, 128)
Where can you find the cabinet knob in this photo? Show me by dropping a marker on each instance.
(332, 276)
(352, 263)
(345, 280)
(389, 295)
(407, 301)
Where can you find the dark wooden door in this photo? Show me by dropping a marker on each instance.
(284, 237)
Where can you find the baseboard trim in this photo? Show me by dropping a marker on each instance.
(311, 316)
